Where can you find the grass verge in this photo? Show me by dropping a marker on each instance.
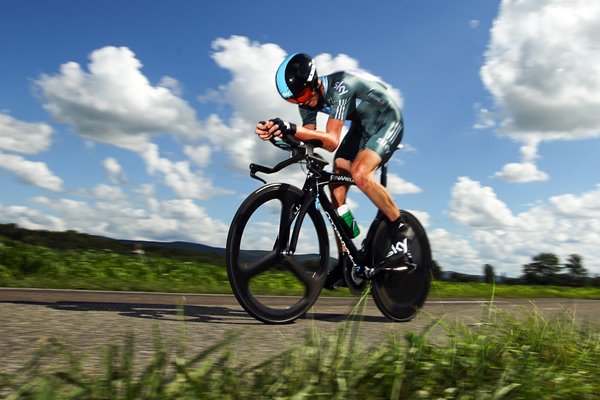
(508, 356)
(23, 265)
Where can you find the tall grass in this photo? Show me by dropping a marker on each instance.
(523, 356)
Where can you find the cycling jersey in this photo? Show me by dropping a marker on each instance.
(376, 120)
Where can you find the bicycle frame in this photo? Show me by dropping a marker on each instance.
(314, 196)
(397, 290)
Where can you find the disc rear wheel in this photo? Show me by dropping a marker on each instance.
(400, 294)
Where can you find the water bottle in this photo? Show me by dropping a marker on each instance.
(345, 213)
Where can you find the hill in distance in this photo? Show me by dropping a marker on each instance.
(73, 240)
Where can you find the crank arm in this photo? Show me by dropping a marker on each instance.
(384, 266)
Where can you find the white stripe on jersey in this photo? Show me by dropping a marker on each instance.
(393, 133)
(341, 109)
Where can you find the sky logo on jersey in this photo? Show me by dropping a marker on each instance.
(340, 87)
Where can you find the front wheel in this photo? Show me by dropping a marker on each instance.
(400, 294)
(259, 261)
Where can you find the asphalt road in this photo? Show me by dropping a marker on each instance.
(86, 322)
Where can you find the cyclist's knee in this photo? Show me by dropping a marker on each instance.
(362, 176)
(342, 164)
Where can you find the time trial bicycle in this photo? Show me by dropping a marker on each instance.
(278, 234)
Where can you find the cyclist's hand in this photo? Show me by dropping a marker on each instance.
(262, 130)
(282, 128)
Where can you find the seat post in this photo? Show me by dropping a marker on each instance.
(383, 178)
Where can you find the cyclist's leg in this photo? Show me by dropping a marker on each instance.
(342, 165)
(344, 156)
(363, 172)
(335, 277)
(339, 191)
(378, 150)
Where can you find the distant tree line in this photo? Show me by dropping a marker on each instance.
(67, 240)
(544, 269)
(73, 240)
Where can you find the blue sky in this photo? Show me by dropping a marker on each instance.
(134, 119)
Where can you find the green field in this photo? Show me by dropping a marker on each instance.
(24, 265)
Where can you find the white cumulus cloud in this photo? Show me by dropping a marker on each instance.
(115, 103)
(585, 206)
(165, 220)
(454, 252)
(475, 205)
(521, 173)
(200, 155)
(114, 171)
(564, 224)
(30, 219)
(105, 192)
(397, 185)
(31, 172)
(180, 177)
(542, 67)
(23, 137)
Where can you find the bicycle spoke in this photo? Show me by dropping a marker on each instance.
(299, 270)
(259, 266)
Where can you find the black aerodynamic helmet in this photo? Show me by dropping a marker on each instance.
(295, 76)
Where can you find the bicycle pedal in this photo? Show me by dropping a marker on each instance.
(411, 266)
(336, 284)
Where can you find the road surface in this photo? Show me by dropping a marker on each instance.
(86, 322)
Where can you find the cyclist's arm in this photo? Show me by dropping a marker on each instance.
(330, 138)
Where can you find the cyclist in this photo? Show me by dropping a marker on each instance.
(375, 131)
